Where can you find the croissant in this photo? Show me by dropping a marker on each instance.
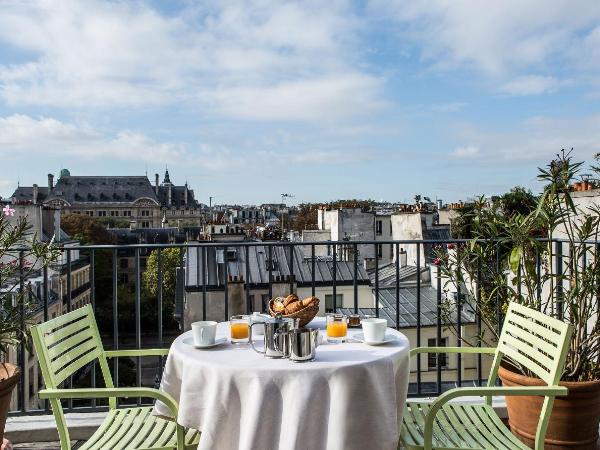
(309, 301)
(292, 298)
(278, 305)
(293, 307)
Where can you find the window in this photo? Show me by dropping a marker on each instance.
(145, 224)
(329, 306)
(123, 263)
(145, 213)
(114, 214)
(432, 357)
(89, 213)
(379, 228)
(127, 213)
(101, 213)
(123, 278)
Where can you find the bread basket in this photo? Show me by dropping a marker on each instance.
(305, 315)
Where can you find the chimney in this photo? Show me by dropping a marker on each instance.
(185, 195)
(156, 179)
(169, 192)
(35, 194)
(50, 182)
(57, 225)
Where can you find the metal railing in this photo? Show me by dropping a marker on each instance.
(277, 257)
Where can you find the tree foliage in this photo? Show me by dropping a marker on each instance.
(170, 260)
(86, 229)
(513, 256)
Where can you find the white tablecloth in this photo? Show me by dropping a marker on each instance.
(351, 397)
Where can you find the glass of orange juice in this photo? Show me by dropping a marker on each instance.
(239, 329)
(337, 328)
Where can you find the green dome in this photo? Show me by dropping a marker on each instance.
(65, 173)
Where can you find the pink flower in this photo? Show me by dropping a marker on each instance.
(451, 246)
(437, 262)
(8, 211)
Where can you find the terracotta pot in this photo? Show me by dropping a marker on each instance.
(574, 419)
(585, 186)
(9, 377)
(577, 187)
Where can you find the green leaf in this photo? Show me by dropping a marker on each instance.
(515, 258)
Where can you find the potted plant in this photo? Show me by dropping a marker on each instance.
(20, 254)
(548, 259)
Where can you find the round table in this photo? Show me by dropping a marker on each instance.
(351, 397)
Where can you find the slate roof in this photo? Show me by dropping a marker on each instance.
(177, 196)
(25, 193)
(408, 307)
(301, 267)
(106, 189)
(387, 274)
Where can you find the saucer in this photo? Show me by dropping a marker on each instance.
(387, 339)
(190, 341)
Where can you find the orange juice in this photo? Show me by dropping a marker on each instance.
(239, 331)
(337, 329)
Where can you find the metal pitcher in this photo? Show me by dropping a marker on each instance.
(303, 344)
(276, 336)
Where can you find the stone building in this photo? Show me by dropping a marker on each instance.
(125, 198)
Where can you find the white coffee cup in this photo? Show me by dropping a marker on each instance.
(204, 332)
(374, 329)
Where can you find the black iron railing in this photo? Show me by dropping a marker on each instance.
(300, 261)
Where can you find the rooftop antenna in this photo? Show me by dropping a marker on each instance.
(283, 197)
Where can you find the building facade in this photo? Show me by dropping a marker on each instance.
(122, 198)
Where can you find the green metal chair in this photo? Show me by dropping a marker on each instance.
(530, 338)
(69, 342)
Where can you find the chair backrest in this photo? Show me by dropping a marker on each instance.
(535, 341)
(539, 343)
(63, 346)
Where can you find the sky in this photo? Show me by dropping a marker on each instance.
(246, 100)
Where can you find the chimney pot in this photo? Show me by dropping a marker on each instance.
(156, 181)
(50, 182)
(35, 194)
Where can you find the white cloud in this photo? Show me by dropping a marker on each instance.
(48, 136)
(501, 39)
(325, 98)
(469, 151)
(243, 59)
(536, 139)
(530, 85)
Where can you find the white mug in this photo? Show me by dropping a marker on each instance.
(374, 329)
(204, 332)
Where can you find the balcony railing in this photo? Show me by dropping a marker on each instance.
(390, 279)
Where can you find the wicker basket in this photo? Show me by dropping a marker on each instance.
(305, 315)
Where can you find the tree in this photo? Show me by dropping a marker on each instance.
(518, 201)
(306, 219)
(170, 260)
(89, 231)
(86, 229)
(112, 222)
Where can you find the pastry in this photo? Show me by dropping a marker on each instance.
(309, 301)
(293, 307)
(278, 305)
(292, 298)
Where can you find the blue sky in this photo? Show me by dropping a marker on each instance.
(245, 100)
